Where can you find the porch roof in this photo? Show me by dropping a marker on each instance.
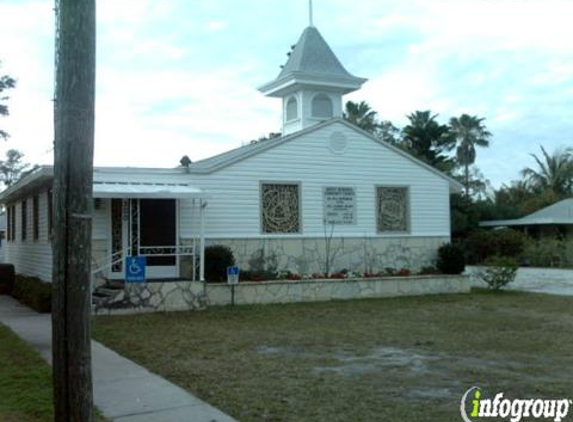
(146, 190)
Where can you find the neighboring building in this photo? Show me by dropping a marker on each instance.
(554, 220)
(324, 182)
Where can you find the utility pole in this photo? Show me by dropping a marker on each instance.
(73, 173)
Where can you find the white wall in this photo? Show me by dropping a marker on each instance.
(34, 257)
(31, 257)
(234, 209)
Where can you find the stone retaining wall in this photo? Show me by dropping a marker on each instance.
(155, 297)
(325, 290)
(182, 296)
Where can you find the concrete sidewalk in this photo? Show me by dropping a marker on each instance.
(123, 390)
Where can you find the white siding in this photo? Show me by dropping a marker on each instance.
(233, 210)
(31, 257)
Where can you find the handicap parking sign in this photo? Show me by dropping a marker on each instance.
(135, 269)
(232, 275)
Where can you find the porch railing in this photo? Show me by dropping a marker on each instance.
(99, 267)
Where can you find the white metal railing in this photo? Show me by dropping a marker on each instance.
(98, 267)
(112, 260)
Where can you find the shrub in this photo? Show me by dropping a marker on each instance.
(217, 259)
(6, 279)
(33, 292)
(509, 242)
(498, 272)
(548, 252)
(478, 246)
(482, 244)
(451, 259)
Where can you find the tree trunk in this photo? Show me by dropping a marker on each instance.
(73, 173)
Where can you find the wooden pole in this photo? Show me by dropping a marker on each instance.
(73, 173)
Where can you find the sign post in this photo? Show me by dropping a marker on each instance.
(135, 269)
(232, 280)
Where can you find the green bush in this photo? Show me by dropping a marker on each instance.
(34, 293)
(509, 242)
(217, 259)
(451, 259)
(478, 246)
(482, 244)
(498, 271)
(6, 279)
(548, 252)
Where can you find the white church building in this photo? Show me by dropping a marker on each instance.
(325, 190)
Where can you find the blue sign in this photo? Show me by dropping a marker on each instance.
(232, 275)
(135, 269)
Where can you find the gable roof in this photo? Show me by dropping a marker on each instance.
(44, 174)
(559, 213)
(312, 61)
(225, 159)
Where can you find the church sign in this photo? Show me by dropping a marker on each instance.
(339, 205)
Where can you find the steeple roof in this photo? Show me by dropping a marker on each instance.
(313, 62)
(313, 56)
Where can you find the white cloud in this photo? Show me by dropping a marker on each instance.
(217, 25)
(174, 79)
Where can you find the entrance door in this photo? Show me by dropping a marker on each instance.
(145, 227)
(158, 236)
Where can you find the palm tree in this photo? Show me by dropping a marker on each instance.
(469, 132)
(361, 115)
(555, 172)
(428, 140)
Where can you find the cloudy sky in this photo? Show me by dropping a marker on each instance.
(179, 77)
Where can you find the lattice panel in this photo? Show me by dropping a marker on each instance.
(392, 209)
(280, 208)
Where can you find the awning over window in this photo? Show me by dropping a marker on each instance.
(146, 190)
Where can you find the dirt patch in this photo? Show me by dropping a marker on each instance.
(380, 359)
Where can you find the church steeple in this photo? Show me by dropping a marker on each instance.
(311, 83)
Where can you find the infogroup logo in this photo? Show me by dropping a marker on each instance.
(474, 407)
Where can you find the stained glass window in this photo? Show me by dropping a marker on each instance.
(392, 209)
(280, 208)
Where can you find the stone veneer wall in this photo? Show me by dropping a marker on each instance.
(308, 255)
(178, 296)
(156, 297)
(325, 290)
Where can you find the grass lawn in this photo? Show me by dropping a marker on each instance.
(403, 359)
(25, 382)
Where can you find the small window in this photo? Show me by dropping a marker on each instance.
(35, 217)
(9, 223)
(12, 223)
(392, 209)
(24, 218)
(322, 106)
(50, 195)
(280, 208)
(292, 109)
